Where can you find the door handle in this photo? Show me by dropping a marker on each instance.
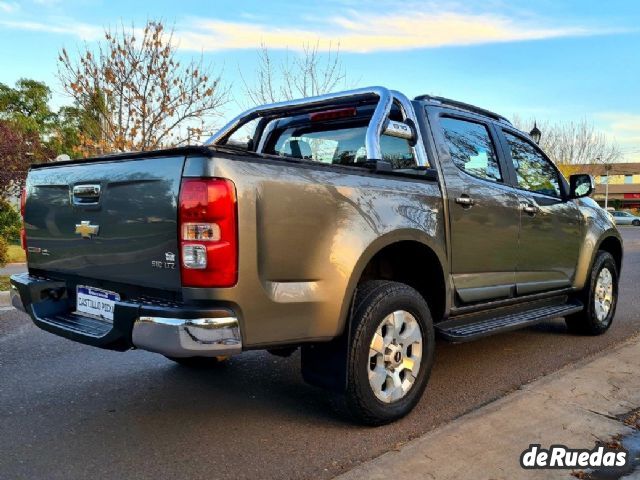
(529, 208)
(86, 194)
(465, 201)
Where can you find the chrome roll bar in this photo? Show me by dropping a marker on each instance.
(378, 125)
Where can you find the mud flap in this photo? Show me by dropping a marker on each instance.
(325, 364)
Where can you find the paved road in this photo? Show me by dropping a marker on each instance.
(71, 411)
(12, 268)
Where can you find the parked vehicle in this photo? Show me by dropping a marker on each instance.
(625, 218)
(355, 225)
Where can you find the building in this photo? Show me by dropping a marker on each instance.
(623, 180)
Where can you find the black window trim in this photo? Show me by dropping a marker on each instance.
(514, 176)
(445, 113)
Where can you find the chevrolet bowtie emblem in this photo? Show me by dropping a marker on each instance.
(85, 229)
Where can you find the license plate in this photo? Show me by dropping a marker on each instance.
(96, 302)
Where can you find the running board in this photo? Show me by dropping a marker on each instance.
(471, 327)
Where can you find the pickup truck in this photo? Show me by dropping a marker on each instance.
(356, 226)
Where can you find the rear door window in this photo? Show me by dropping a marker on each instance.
(471, 148)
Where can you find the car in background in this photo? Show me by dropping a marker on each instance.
(625, 218)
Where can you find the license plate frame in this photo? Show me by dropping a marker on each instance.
(96, 302)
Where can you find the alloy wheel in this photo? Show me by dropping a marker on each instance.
(395, 354)
(603, 294)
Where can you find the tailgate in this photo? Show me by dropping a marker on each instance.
(110, 220)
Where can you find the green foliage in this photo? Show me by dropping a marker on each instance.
(4, 252)
(25, 108)
(77, 126)
(27, 105)
(10, 222)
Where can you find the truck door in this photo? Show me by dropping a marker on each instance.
(550, 226)
(483, 209)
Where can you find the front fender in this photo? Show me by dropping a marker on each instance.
(597, 228)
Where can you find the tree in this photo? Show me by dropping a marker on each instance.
(18, 150)
(10, 221)
(27, 105)
(75, 127)
(307, 74)
(572, 145)
(141, 96)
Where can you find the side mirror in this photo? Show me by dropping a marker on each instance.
(581, 185)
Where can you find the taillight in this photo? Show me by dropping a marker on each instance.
(23, 200)
(208, 233)
(23, 233)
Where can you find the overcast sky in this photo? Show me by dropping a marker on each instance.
(552, 60)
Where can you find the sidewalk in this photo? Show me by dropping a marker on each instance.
(575, 406)
(12, 268)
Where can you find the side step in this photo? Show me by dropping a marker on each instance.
(471, 327)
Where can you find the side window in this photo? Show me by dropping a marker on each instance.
(535, 173)
(471, 148)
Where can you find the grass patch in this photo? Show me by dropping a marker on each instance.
(4, 283)
(16, 254)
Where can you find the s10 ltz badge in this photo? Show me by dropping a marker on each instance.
(169, 262)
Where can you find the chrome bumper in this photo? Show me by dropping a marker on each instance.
(16, 301)
(178, 337)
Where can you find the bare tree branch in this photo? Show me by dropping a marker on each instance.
(575, 144)
(304, 74)
(146, 98)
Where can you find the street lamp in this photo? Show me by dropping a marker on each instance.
(607, 168)
(535, 133)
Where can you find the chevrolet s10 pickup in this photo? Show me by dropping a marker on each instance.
(355, 226)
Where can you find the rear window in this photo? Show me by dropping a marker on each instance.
(338, 146)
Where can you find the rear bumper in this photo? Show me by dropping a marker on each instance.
(167, 328)
(16, 301)
(178, 337)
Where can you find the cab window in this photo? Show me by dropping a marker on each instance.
(340, 146)
(533, 171)
(471, 148)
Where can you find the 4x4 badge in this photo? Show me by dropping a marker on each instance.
(85, 229)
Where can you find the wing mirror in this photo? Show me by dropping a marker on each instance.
(581, 185)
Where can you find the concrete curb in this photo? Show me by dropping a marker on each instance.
(575, 406)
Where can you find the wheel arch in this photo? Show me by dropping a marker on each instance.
(610, 241)
(613, 245)
(409, 250)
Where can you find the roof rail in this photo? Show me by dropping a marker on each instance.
(463, 106)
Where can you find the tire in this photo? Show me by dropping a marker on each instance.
(594, 320)
(636, 223)
(198, 362)
(391, 304)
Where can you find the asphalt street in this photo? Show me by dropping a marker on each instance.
(73, 411)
